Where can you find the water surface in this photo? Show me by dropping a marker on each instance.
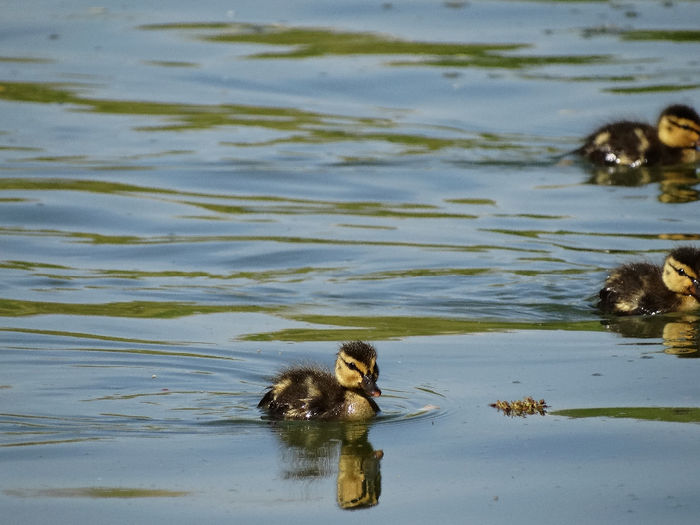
(194, 197)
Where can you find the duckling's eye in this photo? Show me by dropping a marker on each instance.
(680, 271)
(351, 366)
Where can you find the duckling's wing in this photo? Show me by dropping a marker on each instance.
(285, 389)
(301, 393)
(329, 405)
(273, 404)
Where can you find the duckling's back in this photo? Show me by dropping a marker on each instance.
(623, 143)
(304, 393)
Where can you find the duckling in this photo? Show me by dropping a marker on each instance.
(675, 140)
(643, 288)
(312, 392)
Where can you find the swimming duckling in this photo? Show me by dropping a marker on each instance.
(643, 288)
(311, 392)
(675, 140)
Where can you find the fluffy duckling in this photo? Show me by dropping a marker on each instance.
(643, 288)
(675, 140)
(312, 392)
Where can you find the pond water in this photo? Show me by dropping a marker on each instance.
(193, 197)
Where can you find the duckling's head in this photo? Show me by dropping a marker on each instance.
(679, 127)
(356, 367)
(681, 273)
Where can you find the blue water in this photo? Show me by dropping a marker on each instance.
(192, 197)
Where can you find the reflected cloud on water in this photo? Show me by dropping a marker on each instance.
(315, 450)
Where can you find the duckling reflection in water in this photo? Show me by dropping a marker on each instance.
(648, 289)
(676, 185)
(310, 447)
(311, 392)
(679, 334)
(675, 140)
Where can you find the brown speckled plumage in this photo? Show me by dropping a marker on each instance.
(313, 392)
(634, 144)
(646, 289)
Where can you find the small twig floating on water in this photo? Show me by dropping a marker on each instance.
(527, 407)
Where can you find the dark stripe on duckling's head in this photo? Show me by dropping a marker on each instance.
(356, 367)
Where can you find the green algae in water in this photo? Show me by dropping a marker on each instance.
(311, 42)
(316, 42)
(670, 35)
(669, 414)
(301, 127)
(397, 327)
(96, 493)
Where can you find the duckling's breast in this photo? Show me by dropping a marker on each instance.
(688, 303)
(358, 407)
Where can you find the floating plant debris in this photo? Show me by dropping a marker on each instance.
(525, 407)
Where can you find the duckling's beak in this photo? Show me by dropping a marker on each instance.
(695, 289)
(370, 386)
